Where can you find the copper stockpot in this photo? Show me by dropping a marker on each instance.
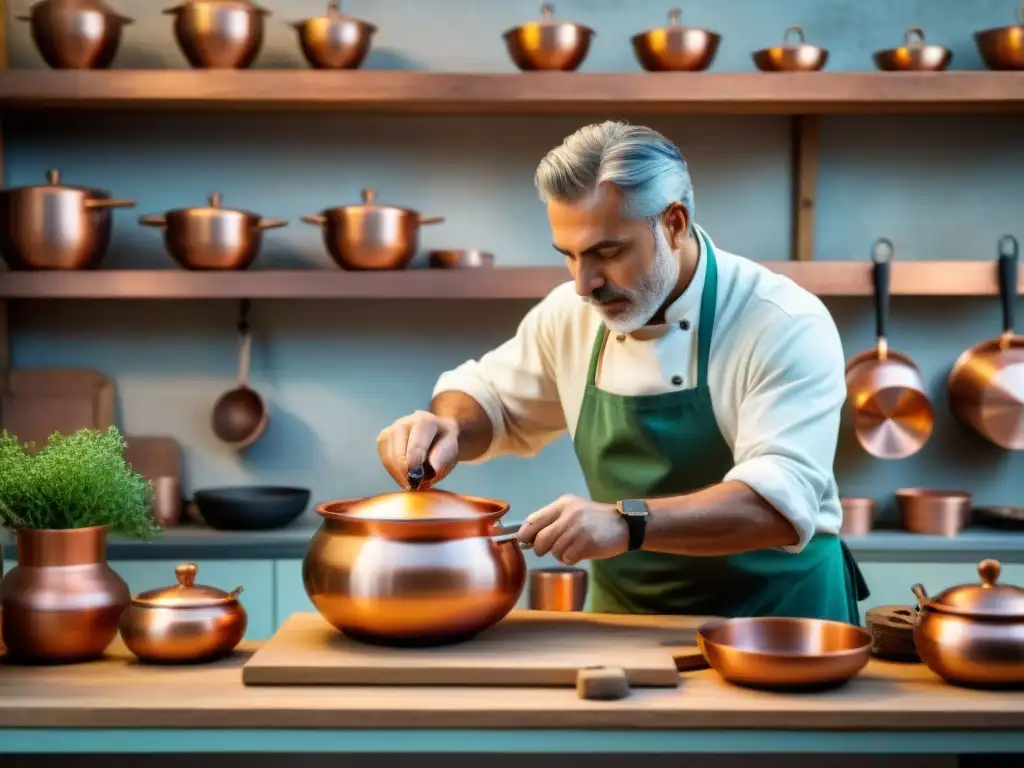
(933, 513)
(55, 226)
(416, 568)
(558, 589)
(676, 48)
(784, 653)
(61, 603)
(915, 55)
(548, 44)
(986, 383)
(219, 34)
(334, 41)
(371, 236)
(76, 34)
(798, 56)
(187, 622)
(973, 634)
(892, 416)
(858, 516)
(212, 237)
(1002, 48)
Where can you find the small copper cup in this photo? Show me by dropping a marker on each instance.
(858, 516)
(167, 501)
(934, 513)
(558, 589)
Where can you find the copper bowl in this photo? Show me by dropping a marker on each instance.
(334, 41)
(934, 513)
(413, 568)
(548, 44)
(797, 56)
(219, 34)
(558, 589)
(784, 653)
(1002, 48)
(468, 258)
(76, 34)
(675, 48)
(915, 55)
(858, 516)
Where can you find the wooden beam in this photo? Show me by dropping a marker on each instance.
(806, 130)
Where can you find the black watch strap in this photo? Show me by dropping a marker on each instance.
(635, 513)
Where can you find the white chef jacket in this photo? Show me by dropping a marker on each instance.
(776, 373)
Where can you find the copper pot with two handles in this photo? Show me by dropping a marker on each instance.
(414, 568)
(973, 634)
(76, 34)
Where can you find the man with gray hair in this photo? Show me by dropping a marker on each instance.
(702, 392)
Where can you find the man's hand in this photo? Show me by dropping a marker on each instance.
(574, 529)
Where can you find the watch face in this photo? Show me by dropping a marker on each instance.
(634, 508)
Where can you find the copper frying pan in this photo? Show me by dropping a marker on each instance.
(892, 416)
(986, 384)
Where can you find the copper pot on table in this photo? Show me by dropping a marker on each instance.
(413, 568)
(915, 55)
(973, 634)
(548, 44)
(212, 237)
(219, 34)
(986, 384)
(371, 236)
(55, 226)
(1002, 48)
(334, 41)
(676, 48)
(187, 622)
(76, 34)
(892, 415)
(794, 55)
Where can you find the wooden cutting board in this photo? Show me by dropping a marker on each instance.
(153, 456)
(36, 402)
(527, 648)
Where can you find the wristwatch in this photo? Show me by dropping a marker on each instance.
(635, 512)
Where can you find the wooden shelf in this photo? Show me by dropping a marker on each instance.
(416, 92)
(824, 278)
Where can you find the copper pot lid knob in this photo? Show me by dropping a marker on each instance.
(215, 200)
(186, 574)
(334, 9)
(794, 33)
(674, 16)
(989, 571)
(547, 10)
(369, 196)
(53, 177)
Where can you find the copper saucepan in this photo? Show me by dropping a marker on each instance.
(892, 416)
(986, 384)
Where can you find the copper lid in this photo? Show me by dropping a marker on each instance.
(985, 599)
(79, 5)
(335, 15)
(53, 182)
(214, 207)
(422, 505)
(547, 19)
(243, 5)
(186, 593)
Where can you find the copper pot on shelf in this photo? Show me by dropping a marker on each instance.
(212, 237)
(892, 415)
(973, 634)
(61, 603)
(187, 622)
(548, 44)
(986, 383)
(55, 226)
(76, 34)
(219, 34)
(933, 512)
(370, 235)
(1002, 48)
(915, 55)
(416, 568)
(858, 515)
(676, 48)
(334, 41)
(794, 55)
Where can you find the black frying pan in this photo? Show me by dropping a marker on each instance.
(251, 507)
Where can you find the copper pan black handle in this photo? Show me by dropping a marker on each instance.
(881, 256)
(1008, 251)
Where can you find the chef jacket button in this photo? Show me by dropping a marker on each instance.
(677, 380)
(621, 337)
(684, 324)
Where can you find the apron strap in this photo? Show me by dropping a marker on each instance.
(708, 307)
(595, 355)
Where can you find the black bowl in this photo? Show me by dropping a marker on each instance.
(251, 507)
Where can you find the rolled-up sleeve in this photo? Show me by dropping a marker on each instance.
(788, 420)
(515, 385)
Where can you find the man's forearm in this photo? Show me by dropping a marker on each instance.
(475, 432)
(723, 519)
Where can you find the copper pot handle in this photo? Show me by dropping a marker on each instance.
(317, 220)
(913, 37)
(271, 224)
(509, 533)
(431, 220)
(158, 220)
(881, 256)
(1008, 253)
(793, 32)
(95, 203)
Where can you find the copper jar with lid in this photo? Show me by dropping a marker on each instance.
(186, 622)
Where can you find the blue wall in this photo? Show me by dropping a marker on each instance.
(337, 372)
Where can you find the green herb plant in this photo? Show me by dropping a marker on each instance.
(76, 481)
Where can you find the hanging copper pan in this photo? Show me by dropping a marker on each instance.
(986, 385)
(892, 416)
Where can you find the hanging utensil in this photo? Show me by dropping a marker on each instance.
(892, 416)
(239, 415)
(986, 384)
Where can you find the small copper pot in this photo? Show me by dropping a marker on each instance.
(76, 34)
(187, 622)
(219, 34)
(371, 236)
(558, 589)
(61, 603)
(973, 634)
(548, 44)
(54, 226)
(915, 55)
(212, 237)
(933, 513)
(858, 516)
(1002, 48)
(676, 48)
(334, 41)
(794, 55)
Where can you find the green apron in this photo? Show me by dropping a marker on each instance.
(669, 444)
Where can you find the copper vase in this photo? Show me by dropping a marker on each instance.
(61, 603)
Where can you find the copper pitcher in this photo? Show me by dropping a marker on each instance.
(892, 415)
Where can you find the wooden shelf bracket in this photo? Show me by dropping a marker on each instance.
(806, 130)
